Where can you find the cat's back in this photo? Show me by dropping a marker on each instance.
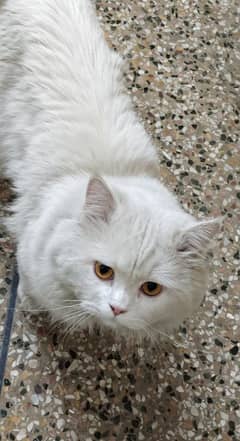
(62, 94)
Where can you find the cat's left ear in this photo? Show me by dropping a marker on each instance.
(99, 203)
(198, 239)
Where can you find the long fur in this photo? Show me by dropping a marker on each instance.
(86, 177)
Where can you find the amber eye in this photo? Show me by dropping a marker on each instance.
(151, 288)
(104, 272)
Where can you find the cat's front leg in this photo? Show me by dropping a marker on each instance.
(20, 292)
(26, 301)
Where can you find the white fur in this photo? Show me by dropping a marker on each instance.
(65, 118)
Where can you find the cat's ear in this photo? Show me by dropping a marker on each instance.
(196, 240)
(99, 203)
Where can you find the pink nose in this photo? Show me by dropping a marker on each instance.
(116, 310)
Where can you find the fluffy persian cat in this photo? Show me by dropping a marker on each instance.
(101, 241)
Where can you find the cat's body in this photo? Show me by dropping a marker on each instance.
(64, 119)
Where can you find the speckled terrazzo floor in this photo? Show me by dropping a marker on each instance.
(183, 73)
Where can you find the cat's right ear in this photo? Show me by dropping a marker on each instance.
(195, 242)
(99, 203)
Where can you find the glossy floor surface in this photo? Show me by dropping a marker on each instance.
(183, 74)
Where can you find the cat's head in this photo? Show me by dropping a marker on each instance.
(135, 260)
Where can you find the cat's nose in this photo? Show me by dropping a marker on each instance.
(116, 310)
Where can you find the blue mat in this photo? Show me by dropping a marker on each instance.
(8, 325)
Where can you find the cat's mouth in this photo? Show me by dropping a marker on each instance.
(113, 323)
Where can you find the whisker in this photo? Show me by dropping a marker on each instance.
(74, 316)
(56, 308)
(74, 326)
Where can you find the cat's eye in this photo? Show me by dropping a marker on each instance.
(104, 272)
(151, 288)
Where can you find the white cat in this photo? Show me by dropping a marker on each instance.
(100, 239)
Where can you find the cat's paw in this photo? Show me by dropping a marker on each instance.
(25, 301)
